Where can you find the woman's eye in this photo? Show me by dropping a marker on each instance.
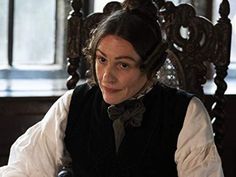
(101, 59)
(124, 65)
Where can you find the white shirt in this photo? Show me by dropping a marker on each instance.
(39, 151)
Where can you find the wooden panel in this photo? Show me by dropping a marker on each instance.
(17, 115)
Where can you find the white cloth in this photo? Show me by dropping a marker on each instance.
(39, 152)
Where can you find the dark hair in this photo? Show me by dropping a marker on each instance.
(138, 25)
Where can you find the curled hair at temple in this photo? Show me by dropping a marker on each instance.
(137, 23)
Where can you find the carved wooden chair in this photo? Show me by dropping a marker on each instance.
(204, 43)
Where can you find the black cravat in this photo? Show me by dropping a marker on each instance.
(128, 113)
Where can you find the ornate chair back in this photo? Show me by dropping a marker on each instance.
(195, 46)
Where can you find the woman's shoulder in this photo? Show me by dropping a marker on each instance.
(80, 93)
(161, 89)
(84, 89)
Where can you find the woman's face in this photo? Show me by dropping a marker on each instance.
(117, 69)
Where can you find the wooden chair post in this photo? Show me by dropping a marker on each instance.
(74, 43)
(223, 31)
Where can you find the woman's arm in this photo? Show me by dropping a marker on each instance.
(196, 153)
(38, 152)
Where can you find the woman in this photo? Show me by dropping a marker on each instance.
(122, 122)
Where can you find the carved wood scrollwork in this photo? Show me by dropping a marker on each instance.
(190, 38)
(193, 41)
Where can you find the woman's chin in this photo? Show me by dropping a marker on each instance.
(112, 101)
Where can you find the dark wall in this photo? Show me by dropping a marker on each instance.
(17, 114)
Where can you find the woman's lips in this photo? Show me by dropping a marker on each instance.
(110, 90)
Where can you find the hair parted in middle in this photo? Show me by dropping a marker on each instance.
(137, 23)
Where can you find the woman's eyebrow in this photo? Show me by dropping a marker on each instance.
(119, 57)
(125, 57)
(101, 52)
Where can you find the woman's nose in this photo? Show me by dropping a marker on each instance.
(109, 74)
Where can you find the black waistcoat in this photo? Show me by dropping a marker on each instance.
(146, 151)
